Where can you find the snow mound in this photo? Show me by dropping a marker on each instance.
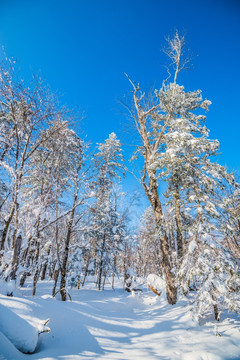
(8, 288)
(7, 349)
(19, 332)
(156, 282)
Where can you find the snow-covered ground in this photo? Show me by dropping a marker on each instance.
(115, 325)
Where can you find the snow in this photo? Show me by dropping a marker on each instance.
(114, 325)
(22, 334)
(192, 246)
(7, 288)
(156, 282)
(8, 350)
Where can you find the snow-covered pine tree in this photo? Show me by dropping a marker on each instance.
(176, 149)
(194, 182)
(106, 228)
(184, 161)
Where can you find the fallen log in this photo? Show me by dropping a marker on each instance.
(156, 284)
(8, 350)
(20, 332)
(136, 290)
(154, 290)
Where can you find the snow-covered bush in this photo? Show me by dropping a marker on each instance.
(214, 276)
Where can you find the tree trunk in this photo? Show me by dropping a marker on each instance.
(85, 271)
(15, 225)
(158, 266)
(100, 266)
(215, 308)
(35, 280)
(114, 267)
(79, 282)
(23, 278)
(171, 290)
(6, 227)
(216, 313)
(178, 223)
(113, 277)
(63, 267)
(56, 274)
(44, 269)
(153, 196)
(16, 256)
(36, 274)
(104, 279)
(52, 270)
(26, 260)
(45, 265)
(64, 274)
(14, 209)
(100, 270)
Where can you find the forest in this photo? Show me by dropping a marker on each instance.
(65, 217)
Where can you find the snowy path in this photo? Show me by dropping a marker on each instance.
(115, 325)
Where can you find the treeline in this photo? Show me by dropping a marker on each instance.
(61, 209)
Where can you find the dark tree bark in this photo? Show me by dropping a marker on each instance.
(63, 267)
(44, 268)
(86, 270)
(153, 197)
(100, 264)
(16, 256)
(56, 275)
(178, 223)
(37, 270)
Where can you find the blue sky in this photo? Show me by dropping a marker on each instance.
(83, 48)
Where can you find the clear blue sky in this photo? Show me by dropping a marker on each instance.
(83, 48)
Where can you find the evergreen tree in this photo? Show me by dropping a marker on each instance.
(105, 230)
